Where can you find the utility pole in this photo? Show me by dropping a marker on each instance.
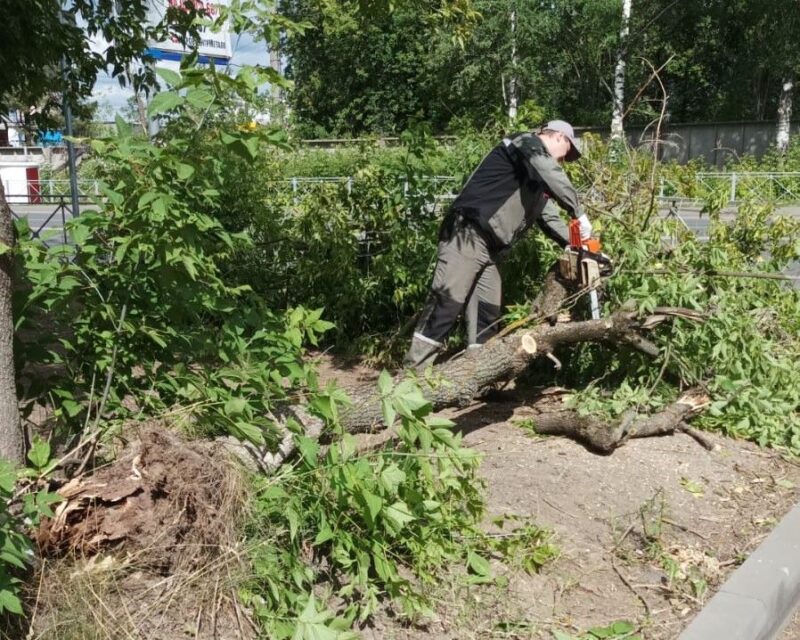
(73, 173)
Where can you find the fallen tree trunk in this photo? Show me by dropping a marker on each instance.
(459, 381)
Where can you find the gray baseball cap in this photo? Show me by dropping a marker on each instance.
(566, 128)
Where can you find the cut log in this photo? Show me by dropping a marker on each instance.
(551, 417)
(459, 381)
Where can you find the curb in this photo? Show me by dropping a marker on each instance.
(760, 596)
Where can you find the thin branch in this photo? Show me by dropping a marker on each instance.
(649, 213)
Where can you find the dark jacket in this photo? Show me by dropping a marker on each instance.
(511, 190)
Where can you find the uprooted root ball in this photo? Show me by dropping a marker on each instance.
(146, 547)
(169, 502)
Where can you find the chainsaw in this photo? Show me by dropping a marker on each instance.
(583, 263)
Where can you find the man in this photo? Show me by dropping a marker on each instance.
(508, 192)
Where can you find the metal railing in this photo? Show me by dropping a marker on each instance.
(735, 186)
(46, 218)
(55, 188)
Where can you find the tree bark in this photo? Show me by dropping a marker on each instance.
(458, 381)
(12, 443)
(513, 89)
(617, 130)
(551, 417)
(785, 112)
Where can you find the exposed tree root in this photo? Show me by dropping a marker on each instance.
(174, 503)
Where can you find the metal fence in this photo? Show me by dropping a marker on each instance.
(49, 212)
(733, 186)
(56, 188)
(48, 217)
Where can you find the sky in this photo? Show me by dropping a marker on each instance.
(111, 98)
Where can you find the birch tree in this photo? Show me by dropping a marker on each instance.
(785, 112)
(617, 131)
(513, 91)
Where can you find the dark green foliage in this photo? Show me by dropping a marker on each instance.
(138, 301)
(743, 354)
(374, 525)
(359, 74)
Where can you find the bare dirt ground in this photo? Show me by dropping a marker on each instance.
(645, 535)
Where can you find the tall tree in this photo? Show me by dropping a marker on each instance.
(617, 131)
(513, 96)
(785, 112)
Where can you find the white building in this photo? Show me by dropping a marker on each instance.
(19, 172)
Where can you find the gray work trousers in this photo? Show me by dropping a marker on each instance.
(465, 278)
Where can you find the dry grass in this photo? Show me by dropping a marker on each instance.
(148, 547)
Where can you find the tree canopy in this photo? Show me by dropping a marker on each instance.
(355, 74)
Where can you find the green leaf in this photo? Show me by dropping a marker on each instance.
(392, 477)
(692, 487)
(621, 627)
(601, 632)
(374, 504)
(478, 565)
(398, 515)
(12, 558)
(4, 248)
(313, 624)
(185, 171)
(294, 522)
(235, 406)
(253, 145)
(163, 102)
(324, 534)
(385, 383)
(308, 448)
(200, 98)
(123, 128)
(8, 476)
(10, 602)
(39, 454)
(172, 78)
(389, 413)
(248, 431)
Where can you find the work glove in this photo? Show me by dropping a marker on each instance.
(586, 227)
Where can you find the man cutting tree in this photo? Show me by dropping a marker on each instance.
(510, 191)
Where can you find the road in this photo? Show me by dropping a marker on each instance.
(690, 213)
(46, 220)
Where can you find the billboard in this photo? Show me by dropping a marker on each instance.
(212, 46)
